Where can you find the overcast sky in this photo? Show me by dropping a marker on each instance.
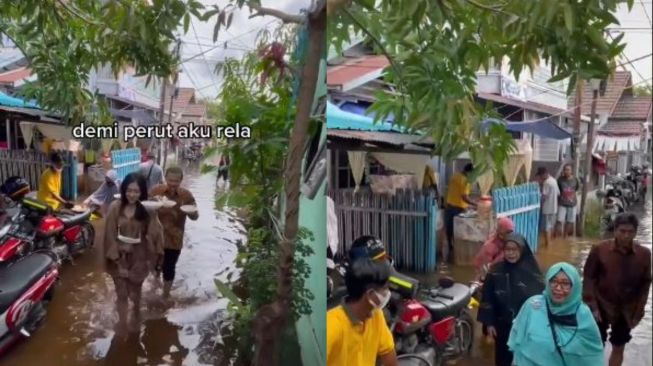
(241, 36)
(638, 38)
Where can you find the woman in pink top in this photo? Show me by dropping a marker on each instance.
(492, 250)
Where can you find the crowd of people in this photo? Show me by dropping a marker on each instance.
(558, 318)
(138, 241)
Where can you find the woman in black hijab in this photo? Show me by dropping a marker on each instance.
(507, 286)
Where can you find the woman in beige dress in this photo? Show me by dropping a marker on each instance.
(133, 247)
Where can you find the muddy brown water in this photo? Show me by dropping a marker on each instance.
(575, 251)
(78, 330)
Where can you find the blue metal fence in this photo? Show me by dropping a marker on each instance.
(522, 204)
(405, 222)
(126, 161)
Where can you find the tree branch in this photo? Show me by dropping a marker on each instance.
(283, 16)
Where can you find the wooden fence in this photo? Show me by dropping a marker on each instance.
(522, 204)
(405, 222)
(30, 164)
(126, 161)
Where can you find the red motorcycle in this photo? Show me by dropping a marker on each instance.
(433, 323)
(36, 226)
(26, 287)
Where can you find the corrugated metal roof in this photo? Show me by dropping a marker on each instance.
(355, 69)
(11, 58)
(15, 75)
(388, 138)
(531, 106)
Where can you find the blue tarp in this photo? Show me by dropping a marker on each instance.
(543, 127)
(343, 120)
(8, 101)
(361, 109)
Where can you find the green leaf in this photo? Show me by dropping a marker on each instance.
(216, 29)
(228, 293)
(569, 17)
(186, 23)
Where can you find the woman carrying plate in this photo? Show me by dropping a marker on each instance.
(173, 218)
(133, 247)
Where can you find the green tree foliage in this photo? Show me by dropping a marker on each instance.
(65, 39)
(266, 105)
(642, 91)
(437, 47)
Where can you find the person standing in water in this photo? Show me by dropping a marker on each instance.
(556, 328)
(507, 286)
(173, 220)
(569, 186)
(133, 247)
(617, 279)
(549, 206)
(492, 250)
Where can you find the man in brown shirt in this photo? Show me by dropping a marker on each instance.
(173, 220)
(617, 278)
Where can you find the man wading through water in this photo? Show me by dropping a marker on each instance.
(616, 282)
(173, 220)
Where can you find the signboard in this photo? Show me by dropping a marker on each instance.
(512, 89)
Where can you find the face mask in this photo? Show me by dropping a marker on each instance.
(385, 298)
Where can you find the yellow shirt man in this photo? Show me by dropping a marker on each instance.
(49, 183)
(352, 342)
(458, 187)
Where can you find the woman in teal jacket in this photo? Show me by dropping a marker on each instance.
(572, 340)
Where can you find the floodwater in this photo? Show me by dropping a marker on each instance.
(575, 251)
(195, 331)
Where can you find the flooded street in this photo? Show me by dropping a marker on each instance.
(638, 350)
(79, 326)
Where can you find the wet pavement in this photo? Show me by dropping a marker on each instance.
(78, 330)
(575, 251)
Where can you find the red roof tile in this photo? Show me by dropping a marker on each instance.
(355, 68)
(198, 110)
(633, 108)
(180, 102)
(13, 76)
(608, 102)
(621, 128)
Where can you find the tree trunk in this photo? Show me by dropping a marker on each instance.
(272, 318)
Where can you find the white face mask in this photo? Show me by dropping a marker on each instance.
(383, 298)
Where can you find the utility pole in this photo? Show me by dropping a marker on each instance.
(162, 109)
(588, 166)
(172, 97)
(577, 116)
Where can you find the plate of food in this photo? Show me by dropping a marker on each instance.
(189, 209)
(155, 205)
(78, 208)
(167, 202)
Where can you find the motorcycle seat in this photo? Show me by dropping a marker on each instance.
(74, 219)
(18, 277)
(449, 301)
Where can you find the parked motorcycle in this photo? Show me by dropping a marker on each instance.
(413, 360)
(37, 227)
(433, 323)
(25, 290)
